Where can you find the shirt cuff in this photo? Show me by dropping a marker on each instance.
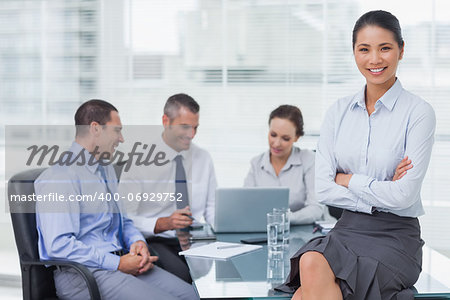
(133, 239)
(150, 224)
(358, 183)
(363, 207)
(146, 225)
(111, 262)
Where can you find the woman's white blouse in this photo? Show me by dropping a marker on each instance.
(298, 175)
(371, 147)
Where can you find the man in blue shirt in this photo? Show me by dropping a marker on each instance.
(88, 229)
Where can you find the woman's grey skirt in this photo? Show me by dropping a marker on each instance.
(375, 257)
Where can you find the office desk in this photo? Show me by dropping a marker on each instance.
(246, 276)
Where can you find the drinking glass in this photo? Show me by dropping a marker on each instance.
(286, 230)
(275, 224)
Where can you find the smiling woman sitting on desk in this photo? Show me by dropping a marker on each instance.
(375, 249)
(289, 166)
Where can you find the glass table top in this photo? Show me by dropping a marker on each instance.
(255, 274)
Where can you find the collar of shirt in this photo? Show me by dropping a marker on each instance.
(92, 168)
(294, 159)
(388, 99)
(76, 149)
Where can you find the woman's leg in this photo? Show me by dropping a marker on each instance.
(317, 279)
(298, 294)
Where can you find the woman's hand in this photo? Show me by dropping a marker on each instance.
(343, 179)
(401, 169)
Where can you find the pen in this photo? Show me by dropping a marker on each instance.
(202, 238)
(190, 217)
(231, 246)
(316, 228)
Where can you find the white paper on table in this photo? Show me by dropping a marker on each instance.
(325, 226)
(214, 250)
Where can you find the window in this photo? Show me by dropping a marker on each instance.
(239, 59)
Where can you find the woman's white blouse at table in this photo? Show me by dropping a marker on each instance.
(298, 175)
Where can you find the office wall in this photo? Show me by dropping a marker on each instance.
(239, 58)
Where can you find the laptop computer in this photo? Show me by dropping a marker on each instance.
(244, 209)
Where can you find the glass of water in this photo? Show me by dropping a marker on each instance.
(275, 269)
(275, 225)
(286, 230)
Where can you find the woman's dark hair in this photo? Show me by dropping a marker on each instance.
(382, 19)
(291, 113)
(94, 110)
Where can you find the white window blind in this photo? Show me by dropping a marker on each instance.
(238, 58)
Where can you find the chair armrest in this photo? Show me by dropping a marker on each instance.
(82, 270)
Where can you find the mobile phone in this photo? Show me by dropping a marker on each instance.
(202, 238)
(256, 240)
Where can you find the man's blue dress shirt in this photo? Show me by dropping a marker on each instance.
(81, 231)
(371, 147)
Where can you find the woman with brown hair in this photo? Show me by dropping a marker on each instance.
(287, 165)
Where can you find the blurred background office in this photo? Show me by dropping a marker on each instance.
(238, 58)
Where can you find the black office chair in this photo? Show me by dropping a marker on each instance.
(335, 211)
(37, 280)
